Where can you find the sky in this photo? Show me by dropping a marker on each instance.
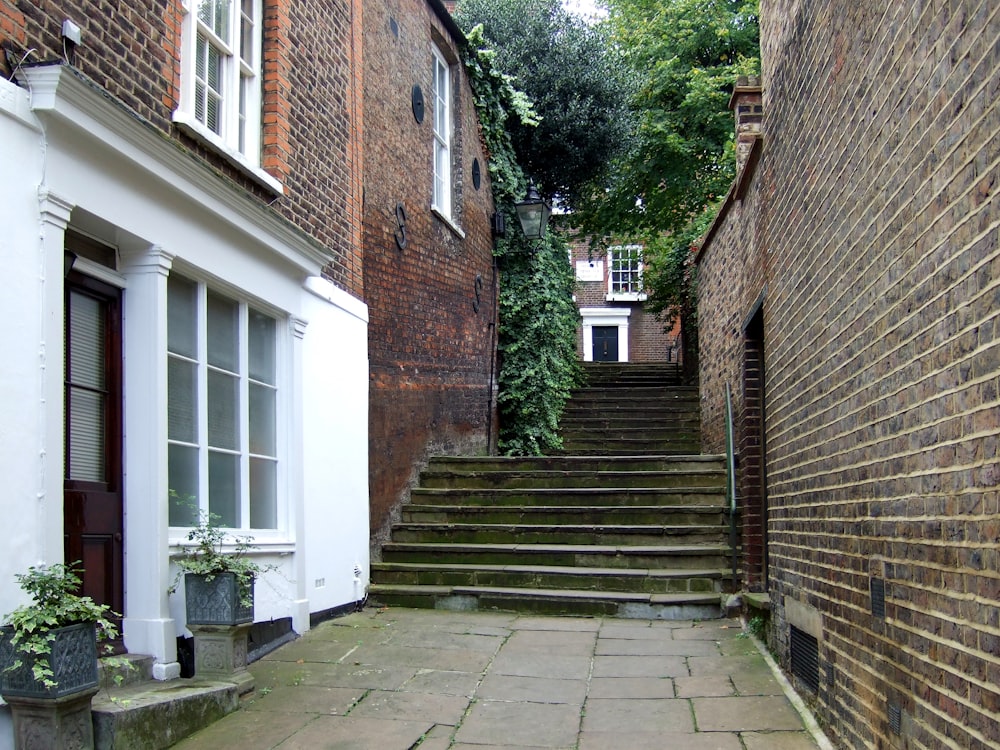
(582, 7)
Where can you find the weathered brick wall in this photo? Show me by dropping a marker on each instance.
(310, 144)
(430, 341)
(873, 222)
(648, 341)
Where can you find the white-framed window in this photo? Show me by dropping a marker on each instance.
(625, 273)
(441, 201)
(222, 408)
(221, 76)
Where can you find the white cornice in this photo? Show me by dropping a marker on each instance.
(62, 96)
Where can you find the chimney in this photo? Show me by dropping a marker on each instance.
(747, 103)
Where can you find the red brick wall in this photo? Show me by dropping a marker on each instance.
(310, 144)
(430, 348)
(871, 229)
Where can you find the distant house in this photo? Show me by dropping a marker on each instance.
(429, 279)
(615, 326)
(848, 297)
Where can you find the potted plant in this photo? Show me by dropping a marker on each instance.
(48, 648)
(218, 582)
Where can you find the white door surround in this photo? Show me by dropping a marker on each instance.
(605, 316)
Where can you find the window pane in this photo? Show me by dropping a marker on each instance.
(223, 410)
(182, 476)
(86, 435)
(261, 332)
(182, 316)
(86, 341)
(246, 32)
(182, 400)
(263, 494)
(262, 421)
(223, 333)
(224, 488)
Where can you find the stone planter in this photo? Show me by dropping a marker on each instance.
(73, 661)
(215, 602)
(57, 717)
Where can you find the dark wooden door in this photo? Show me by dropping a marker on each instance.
(92, 489)
(605, 342)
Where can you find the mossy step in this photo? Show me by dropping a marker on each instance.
(689, 462)
(559, 514)
(580, 496)
(572, 479)
(552, 601)
(554, 577)
(587, 555)
(602, 534)
(159, 714)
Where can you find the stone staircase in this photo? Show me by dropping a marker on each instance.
(631, 410)
(643, 535)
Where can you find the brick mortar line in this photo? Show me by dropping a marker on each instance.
(920, 679)
(775, 484)
(803, 344)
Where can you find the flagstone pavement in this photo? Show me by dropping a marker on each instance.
(395, 679)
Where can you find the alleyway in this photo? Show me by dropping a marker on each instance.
(395, 679)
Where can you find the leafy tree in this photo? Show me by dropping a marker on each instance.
(537, 315)
(577, 84)
(680, 159)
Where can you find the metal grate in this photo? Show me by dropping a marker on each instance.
(877, 589)
(895, 718)
(805, 658)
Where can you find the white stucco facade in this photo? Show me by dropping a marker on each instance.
(73, 159)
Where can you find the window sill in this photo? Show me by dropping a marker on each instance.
(448, 222)
(629, 297)
(200, 133)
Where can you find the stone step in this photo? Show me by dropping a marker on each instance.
(551, 601)
(571, 479)
(562, 514)
(155, 715)
(471, 533)
(554, 577)
(674, 556)
(580, 496)
(691, 462)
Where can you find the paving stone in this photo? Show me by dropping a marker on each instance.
(452, 660)
(314, 699)
(446, 640)
(639, 666)
(439, 681)
(756, 683)
(590, 625)
(532, 689)
(521, 724)
(658, 741)
(556, 642)
(536, 664)
(701, 687)
(778, 741)
(439, 709)
(631, 687)
(716, 630)
(728, 665)
(745, 714)
(634, 632)
(439, 738)
(319, 651)
(621, 715)
(247, 729)
(356, 733)
(283, 674)
(617, 646)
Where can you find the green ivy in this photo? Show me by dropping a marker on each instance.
(537, 316)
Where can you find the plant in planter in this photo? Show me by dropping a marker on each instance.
(48, 648)
(218, 582)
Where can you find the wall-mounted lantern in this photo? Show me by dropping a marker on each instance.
(533, 213)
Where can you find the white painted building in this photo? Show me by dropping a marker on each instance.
(243, 372)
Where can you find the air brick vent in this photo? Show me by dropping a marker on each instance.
(895, 718)
(877, 589)
(805, 658)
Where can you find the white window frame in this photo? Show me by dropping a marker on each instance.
(634, 293)
(240, 84)
(441, 200)
(280, 531)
